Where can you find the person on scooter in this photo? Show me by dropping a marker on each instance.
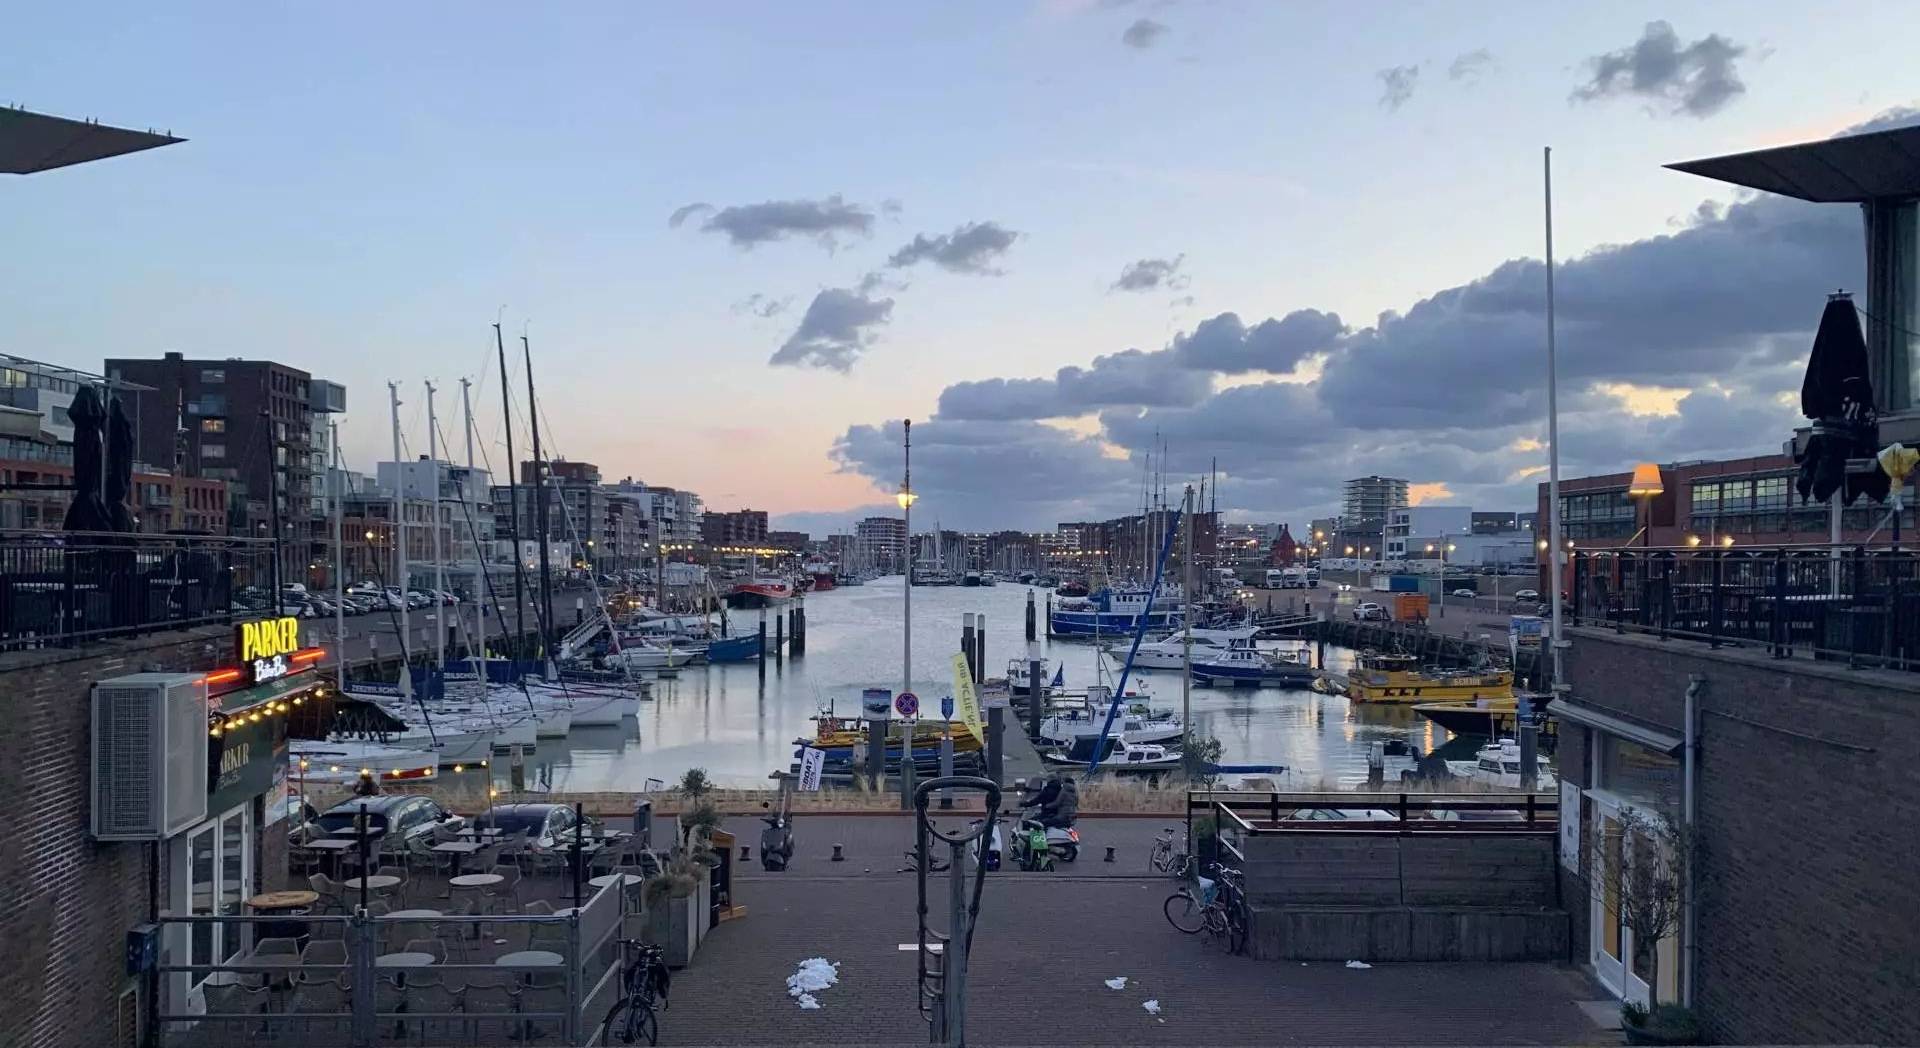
(1046, 800)
(1067, 808)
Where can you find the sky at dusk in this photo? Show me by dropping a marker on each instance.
(1300, 239)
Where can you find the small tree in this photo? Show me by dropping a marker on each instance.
(1200, 759)
(699, 822)
(695, 784)
(1645, 881)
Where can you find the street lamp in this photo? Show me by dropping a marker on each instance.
(1646, 486)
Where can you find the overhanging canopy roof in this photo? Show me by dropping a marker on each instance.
(1877, 165)
(1603, 720)
(32, 142)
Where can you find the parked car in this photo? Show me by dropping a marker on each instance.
(1368, 611)
(1467, 593)
(407, 816)
(1526, 594)
(544, 823)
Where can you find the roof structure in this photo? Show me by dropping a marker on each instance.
(1875, 166)
(34, 142)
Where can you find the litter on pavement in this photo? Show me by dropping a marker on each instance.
(1358, 964)
(1118, 982)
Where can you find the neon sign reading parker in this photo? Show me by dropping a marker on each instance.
(266, 647)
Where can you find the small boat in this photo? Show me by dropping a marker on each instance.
(649, 657)
(735, 649)
(760, 591)
(1498, 764)
(1489, 717)
(1170, 654)
(822, 574)
(1116, 755)
(971, 578)
(987, 578)
(843, 579)
(1396, 677)
(1069, 588)
(1237, 666)
(1017, 669)
(1136, 722)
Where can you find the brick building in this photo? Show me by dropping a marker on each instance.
(246, 422)
(740, 527)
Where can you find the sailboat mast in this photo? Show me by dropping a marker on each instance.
(513, 500)
(400, 532)
(433, 522)
(336, 485)
(481, 590)
(540, 492)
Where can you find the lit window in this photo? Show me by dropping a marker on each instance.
(213, 375)
(213, 425)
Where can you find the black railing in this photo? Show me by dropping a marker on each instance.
(1853, 604)
(58, 589)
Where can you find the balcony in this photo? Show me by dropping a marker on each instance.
(68, 588)
(1854, 604)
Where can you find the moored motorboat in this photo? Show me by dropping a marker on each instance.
(1395, 677)
(1113, 612)
(1115, 754)
(1252, 667)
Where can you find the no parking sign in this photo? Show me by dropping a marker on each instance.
(907, 705)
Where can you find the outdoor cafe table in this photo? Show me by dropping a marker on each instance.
(373, 883)
(459, 850)
(609, 879)
(333, 847)
(415, 915)
(530, 959)
(404, 959)
(292, 902)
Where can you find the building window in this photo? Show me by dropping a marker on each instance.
(1771, 493)
(213, 375)
(213, 451)
(213, 425)
(1633, 772)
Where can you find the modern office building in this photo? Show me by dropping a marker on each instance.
(1371, 499)
(882, 539)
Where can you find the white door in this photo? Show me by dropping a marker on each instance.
(1612, 951)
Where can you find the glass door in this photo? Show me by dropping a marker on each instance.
(1620, 963)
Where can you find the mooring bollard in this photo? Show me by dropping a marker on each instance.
(838, 855)
(746, 852)
(1109, 857)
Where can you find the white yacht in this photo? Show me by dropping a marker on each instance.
(1169, 653)
(1498, 764)
(1135, 722)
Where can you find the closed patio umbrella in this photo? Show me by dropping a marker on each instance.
(1837, 395)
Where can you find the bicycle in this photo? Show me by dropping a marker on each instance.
(1217, 907)
(1165, 857)
(645, 984)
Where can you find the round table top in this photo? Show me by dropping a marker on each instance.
(374, 882)
(286, 900)
(529, 958)
(458, 846)
(475, 880)
(404, 959)
(606, 879)
(415, 913)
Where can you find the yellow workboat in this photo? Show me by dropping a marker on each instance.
(1401, 679)
(831, 732)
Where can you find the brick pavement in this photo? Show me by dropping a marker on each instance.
(1043, 947)
(879, 843)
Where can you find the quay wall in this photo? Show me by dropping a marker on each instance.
(1807, 816)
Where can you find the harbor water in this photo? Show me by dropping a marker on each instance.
(740, 725)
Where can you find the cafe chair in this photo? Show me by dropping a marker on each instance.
(332, 896)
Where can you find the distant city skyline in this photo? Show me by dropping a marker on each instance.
(1299, 240)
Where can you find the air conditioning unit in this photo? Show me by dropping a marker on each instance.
(149, 755)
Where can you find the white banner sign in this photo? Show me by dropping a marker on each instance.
(813, 761)
(1570, 825)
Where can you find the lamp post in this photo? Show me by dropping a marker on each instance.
(1646, 486)
(905, 498)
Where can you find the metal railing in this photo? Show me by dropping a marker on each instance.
(58, 589)
(1243, 814)
(361, 1002)
(1852, 604)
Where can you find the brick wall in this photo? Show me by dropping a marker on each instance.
(66, 901)
(1808, 821)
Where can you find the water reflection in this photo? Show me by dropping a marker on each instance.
(702, 718)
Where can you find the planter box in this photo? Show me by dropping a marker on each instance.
(678, 924)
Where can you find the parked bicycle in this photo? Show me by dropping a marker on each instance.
(1215, 905)
(645, 980)
(1167, 856)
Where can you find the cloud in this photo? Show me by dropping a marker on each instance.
(1226, 345)
(746, 225)
(681, 214)
(1143, 33)
(972, 248)
(1696, 79)
(1397, 85)
(1150, 273)
(763, 306)
(1681, 345)
(1471, 65)
(839, 325)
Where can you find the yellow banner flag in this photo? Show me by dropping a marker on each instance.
(966, 699)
